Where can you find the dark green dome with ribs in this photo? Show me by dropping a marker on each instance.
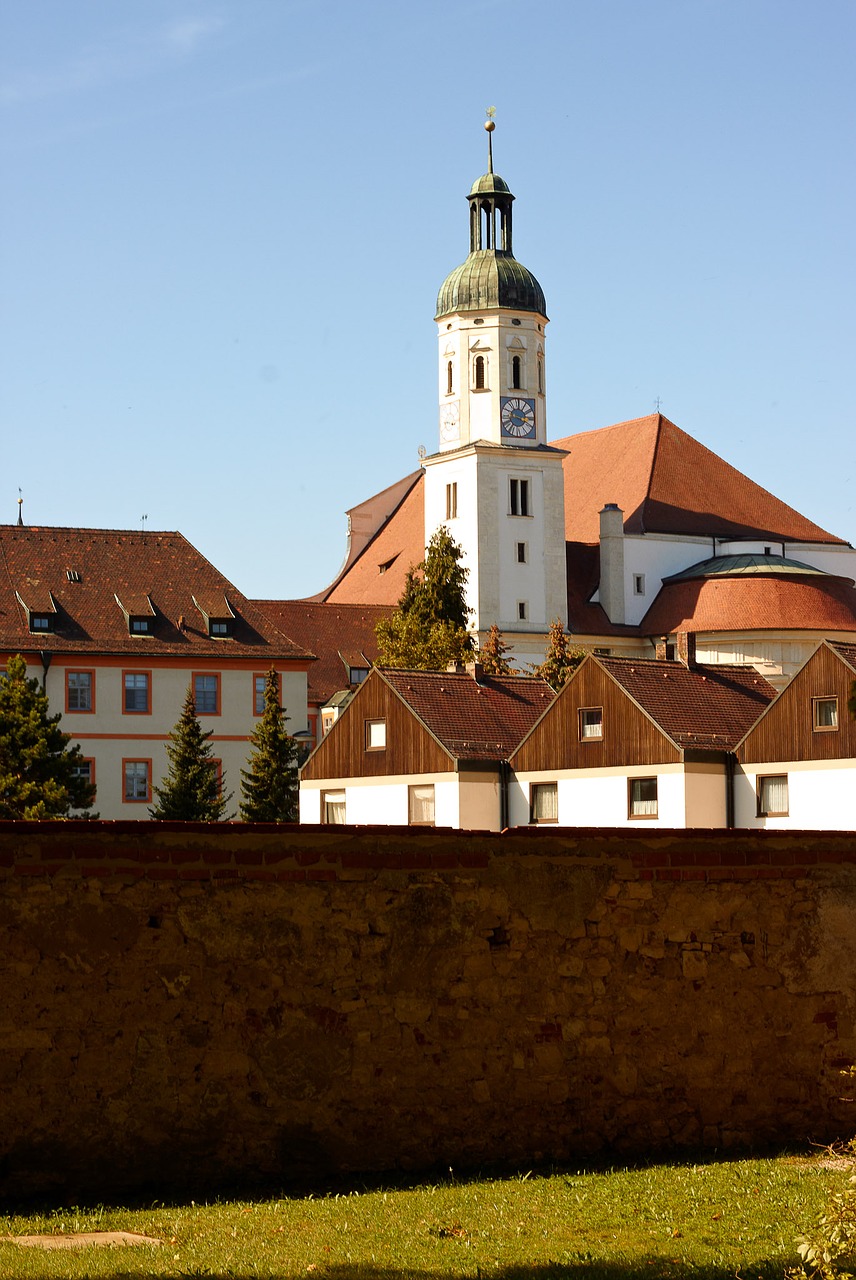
(491, 276)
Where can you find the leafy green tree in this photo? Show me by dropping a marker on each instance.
(269, 785)
(492, 654)
(428, 629)
(561, 659)
(39, 775)
(192, 791)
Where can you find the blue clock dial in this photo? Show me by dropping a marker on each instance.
(517, 417)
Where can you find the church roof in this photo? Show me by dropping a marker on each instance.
(377, 575)
(748, 565)
(775, 603)
(341, 636)
(666, 482)
(490, 278)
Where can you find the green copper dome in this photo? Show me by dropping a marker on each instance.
(491, 276)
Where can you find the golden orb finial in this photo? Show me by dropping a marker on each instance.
(490, 123)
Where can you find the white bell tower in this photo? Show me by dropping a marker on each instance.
(495, 482)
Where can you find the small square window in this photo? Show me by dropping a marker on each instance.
(420, 805)
(591, 723)
(773, 796)
(206, 694)
(333, 807)
(375, 735)
(544, 802)
(642, 798)
(138, 780)
(824, 715)
(137, 692)
(356, 675)
(79, 689)
(639, 584)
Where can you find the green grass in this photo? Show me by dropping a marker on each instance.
(707, 1221)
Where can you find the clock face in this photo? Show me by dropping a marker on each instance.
(450, 421)
(517, 417)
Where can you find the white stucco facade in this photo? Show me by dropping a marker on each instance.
(821, 795)
(466, 801)
(688, 795)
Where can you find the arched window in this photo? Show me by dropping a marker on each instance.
(479, 370)
(449, 387)
(541, 376)
(515, 373)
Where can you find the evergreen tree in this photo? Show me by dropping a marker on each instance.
(492, 654)
(561, 659)
(38, 770)
(191, 790)
(428, 629)
(269, 785)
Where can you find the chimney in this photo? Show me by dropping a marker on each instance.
(687, 648)
(476, 670)
(611, 590)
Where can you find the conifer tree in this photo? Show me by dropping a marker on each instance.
(428, 629)
(38, 770)
(269, 785)
(492, 654)
(191, 790)
(561, 659)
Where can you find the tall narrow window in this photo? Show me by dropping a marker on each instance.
(452, 500)
(206, 694)
(518, 497)
(479, 372)
(515, 373)
(420, 805)
(138, 780)
(78, 691)
(521, 553)
(137, 692)
(541, 376)
(449, 383)
(522, 610)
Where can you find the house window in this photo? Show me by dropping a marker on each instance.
(544, 802)
(449, 381)
(356, 675)
(140, 626)
(206, 694)
(479, 369)
(824, 714)
(522, 610)
(642, 798)
(518, 497)
(79, 688)
(420, 805)
(591, 723)
(40, 622)
(452, 500)
(327, 722)
(515, 373)
(137, 692)
(773, 796)
(259, 694)
(521, 553)
(84, 769)
(375, 735)
(639, 584)
(219, 627)
(333, 807)
(138, 780)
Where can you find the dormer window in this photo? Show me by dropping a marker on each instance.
(40, 622)
(217, 612)
(139, 612)
(40, 608)
(219, 627)
(140, 626)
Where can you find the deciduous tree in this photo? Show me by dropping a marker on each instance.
(561, 659)
(192, 790)
(269, 784)
(492, 654)
(39, 771)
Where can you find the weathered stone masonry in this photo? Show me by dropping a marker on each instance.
(186, 1004)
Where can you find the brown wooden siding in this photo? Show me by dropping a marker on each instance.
(410, 749)
(786, 733)
(629, 737)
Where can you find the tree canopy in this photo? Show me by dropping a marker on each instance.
(492, 654)
(269, 784)
(561, 659)
(192, 790)
(40, 774)
(428, 629)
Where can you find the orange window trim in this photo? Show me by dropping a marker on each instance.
(137, 671)
(81, 671)
(262, 675)
(216, 674)
(139, 799)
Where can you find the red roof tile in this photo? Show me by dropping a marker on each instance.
(474, 720)
(338, 635)
(706, 707)
(776, 603)
(377, 575)
(86, 569)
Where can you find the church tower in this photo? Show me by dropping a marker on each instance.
(495, 482)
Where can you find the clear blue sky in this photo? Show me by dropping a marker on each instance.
(225, 223)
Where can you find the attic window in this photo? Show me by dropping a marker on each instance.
(72, 575)
(356, 675)
(591, 723)
(218, 613)
(140, 626)
(40, 622)
(139, 612)
(824, 715)
(387, 564)
(375, 735)
(219, 626)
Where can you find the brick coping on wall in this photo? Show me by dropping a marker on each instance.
(292, 853)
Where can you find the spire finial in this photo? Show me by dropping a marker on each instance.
(490, 125)
(20, 506)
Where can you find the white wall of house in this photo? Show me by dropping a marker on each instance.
(599, 797)
(383, 801)
(821, 795)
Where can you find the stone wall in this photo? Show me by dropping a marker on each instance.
(183, 1005)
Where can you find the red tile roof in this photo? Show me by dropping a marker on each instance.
(845, 651)
(777, 603)
(377, 575)
(706, 707)
(86, 569)
(482, 719)
(666, 482)
(340, 636)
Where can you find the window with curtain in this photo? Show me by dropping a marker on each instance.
(333, 807)
(773, 796)
(420, 802)
(544, 802)
(825, 714)
(591, 723)
(643, 798)
(375, 735)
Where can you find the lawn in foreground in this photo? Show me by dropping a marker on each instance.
(713, 1220)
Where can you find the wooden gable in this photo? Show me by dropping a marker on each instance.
(629, 736)
(409, 749)
(787, 731)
